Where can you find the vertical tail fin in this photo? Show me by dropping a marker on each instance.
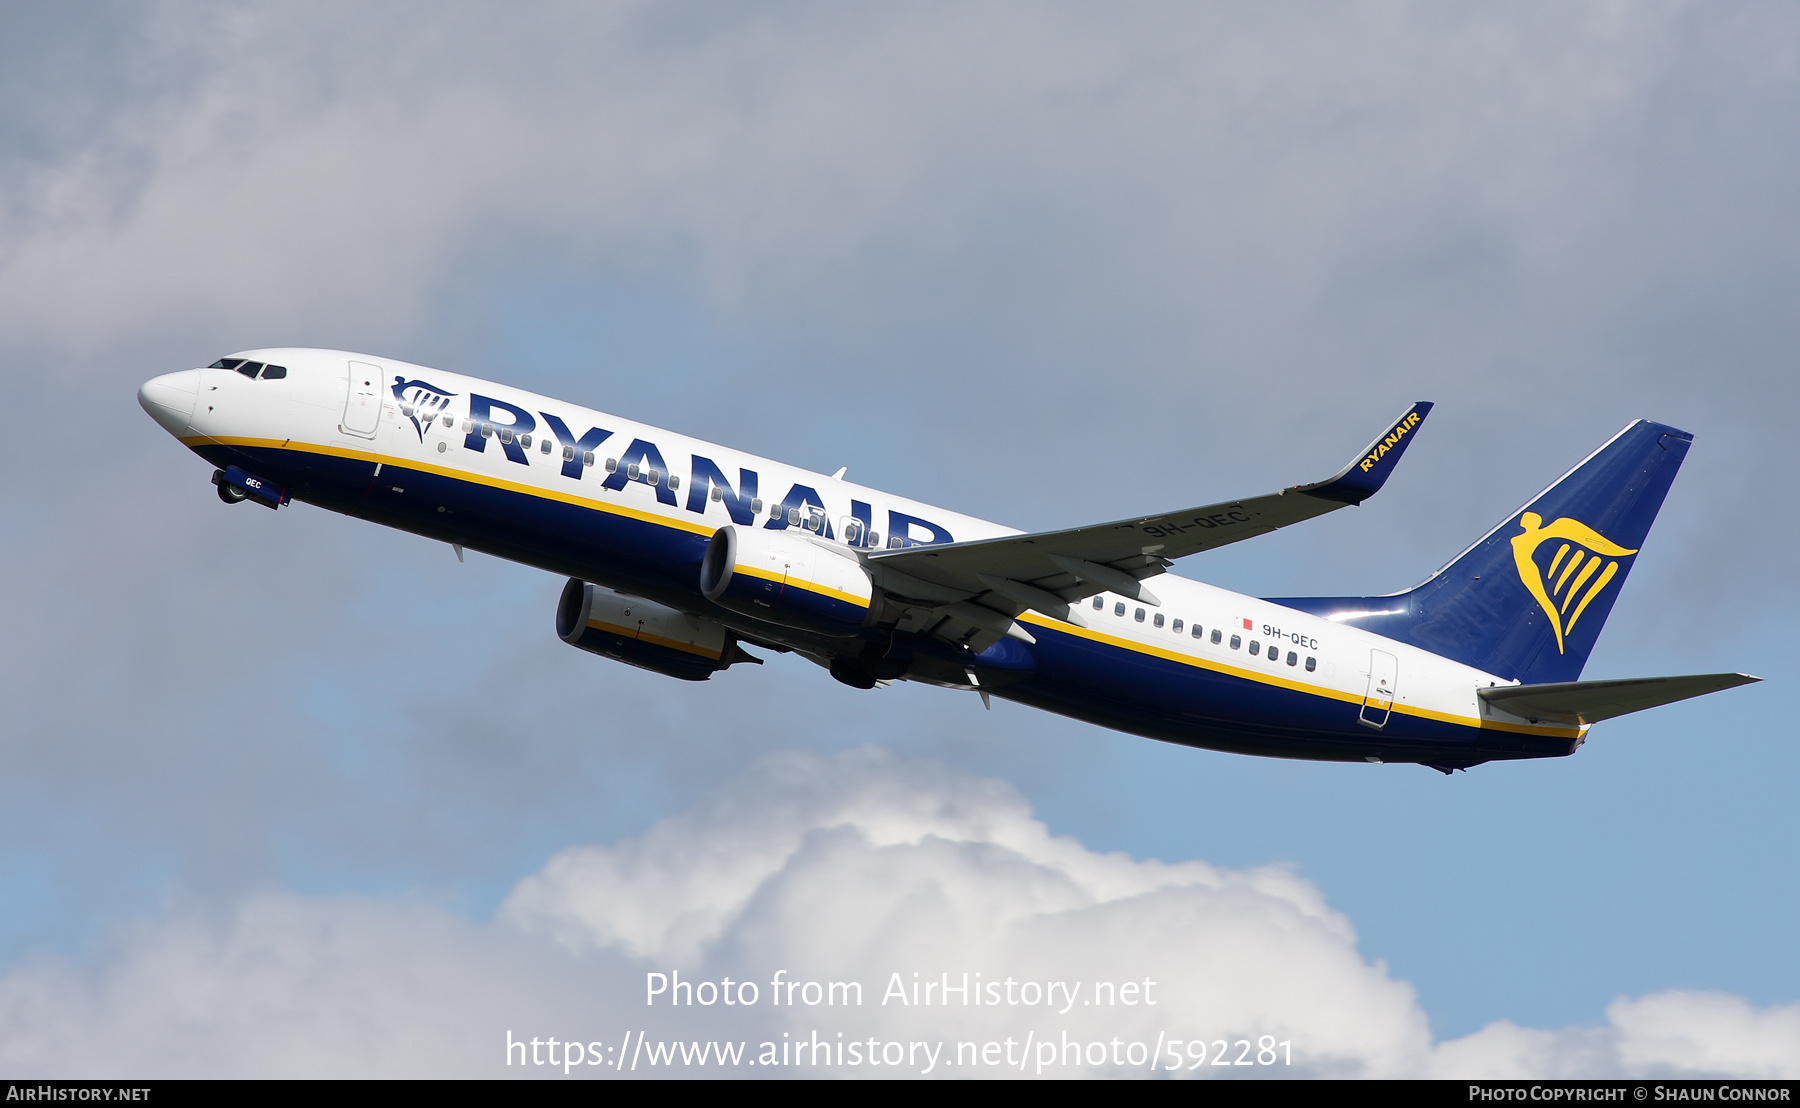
(1527, 601)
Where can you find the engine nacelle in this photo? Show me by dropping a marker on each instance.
(643, 633)
(779, 577)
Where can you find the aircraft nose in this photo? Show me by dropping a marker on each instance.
(170, 399)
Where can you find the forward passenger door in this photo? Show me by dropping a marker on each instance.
(362, 404)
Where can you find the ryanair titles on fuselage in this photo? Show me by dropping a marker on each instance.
(513, 426)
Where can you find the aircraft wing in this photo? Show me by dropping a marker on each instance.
(1048, 570)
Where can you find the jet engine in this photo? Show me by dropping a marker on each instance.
(781, 577)
(643, 633)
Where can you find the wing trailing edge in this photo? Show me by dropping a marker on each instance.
(1081, 561)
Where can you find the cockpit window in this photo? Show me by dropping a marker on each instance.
(251, 369)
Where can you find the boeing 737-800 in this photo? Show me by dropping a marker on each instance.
(679, 552)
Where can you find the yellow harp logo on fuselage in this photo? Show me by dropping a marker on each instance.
(1582, 566)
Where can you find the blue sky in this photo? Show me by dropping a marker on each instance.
(1044, 265)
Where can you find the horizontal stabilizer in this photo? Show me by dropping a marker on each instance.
(1593, 701)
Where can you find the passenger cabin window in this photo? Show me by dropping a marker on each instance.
(544, 446)
(1159, 620)
(1099, 603)
(525, 441)
(1215, 636)
(717, 494)
(587, 458)
(1255, 647)
(755, 506)
(1236, 640)
(874, 538)
(1139, 615)
(1311, 664)
(1293, 658)
(1176, 627)
(449, 421)
(506, 435)
(1119, 608)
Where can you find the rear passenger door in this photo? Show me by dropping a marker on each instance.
(1378, 702)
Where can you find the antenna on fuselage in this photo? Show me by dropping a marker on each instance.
(976, 681)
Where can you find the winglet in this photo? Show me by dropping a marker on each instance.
(1364, 477)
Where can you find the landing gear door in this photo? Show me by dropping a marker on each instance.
(1378, 702)
(362, 405)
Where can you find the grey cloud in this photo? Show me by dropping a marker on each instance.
(1551, 219)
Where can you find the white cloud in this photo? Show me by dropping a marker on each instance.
(1679, 1033)
(860, 867)
(848, 868)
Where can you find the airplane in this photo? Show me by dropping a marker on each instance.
(679, 553)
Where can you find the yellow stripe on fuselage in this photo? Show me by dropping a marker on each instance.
(459, 475)
(1266, 678)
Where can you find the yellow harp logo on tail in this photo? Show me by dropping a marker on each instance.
(1580, 568)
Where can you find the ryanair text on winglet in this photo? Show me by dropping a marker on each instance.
(1391, 440)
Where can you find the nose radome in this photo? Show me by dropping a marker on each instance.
(170, 399)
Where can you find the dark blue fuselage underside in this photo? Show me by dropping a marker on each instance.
(1098, 682)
